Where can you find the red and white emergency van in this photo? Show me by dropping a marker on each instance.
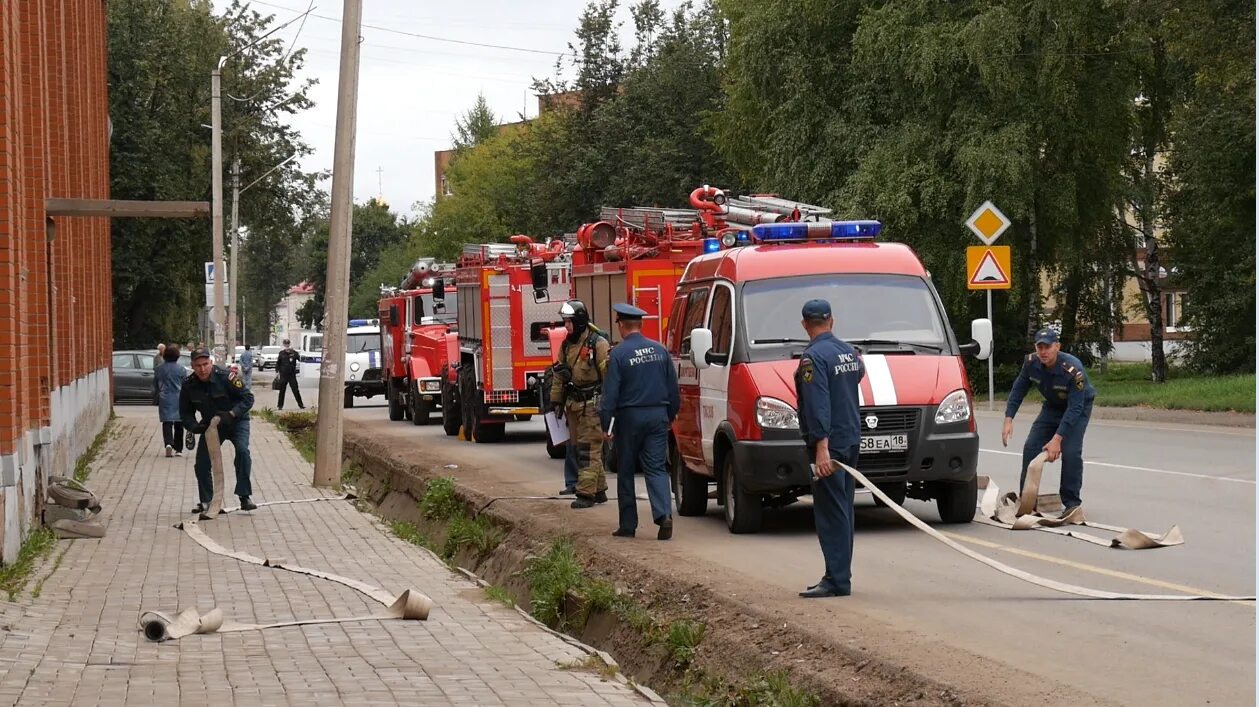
(736, 336)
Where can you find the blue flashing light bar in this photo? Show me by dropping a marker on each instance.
(820, 230)
(711, 245)
(742, 238)
(360, 322)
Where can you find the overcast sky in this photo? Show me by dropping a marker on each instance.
(412, 89)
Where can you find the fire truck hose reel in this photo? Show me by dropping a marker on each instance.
(410, 605)
(1018, 573)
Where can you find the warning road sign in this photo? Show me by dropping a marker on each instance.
(988, 223)
(988, 267)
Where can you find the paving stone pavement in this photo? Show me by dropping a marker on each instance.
(78, 642)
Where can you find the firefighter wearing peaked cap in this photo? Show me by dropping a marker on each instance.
(214, 392)
(575, 390)
(641, 395)
(828, 384)
(1064, 416)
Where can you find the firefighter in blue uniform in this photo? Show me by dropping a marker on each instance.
(828, 382)
(641, 394)
(1064, 417)
(211, 391)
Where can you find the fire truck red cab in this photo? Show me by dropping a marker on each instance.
(736, 336)
(414, 328)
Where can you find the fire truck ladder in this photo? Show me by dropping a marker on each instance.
(649, 218)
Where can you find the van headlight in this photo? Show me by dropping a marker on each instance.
(955, 408)
(773, 413)
(354, 366)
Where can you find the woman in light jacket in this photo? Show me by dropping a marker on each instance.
(169, 379)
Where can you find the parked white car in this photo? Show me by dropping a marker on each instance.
(267, 356)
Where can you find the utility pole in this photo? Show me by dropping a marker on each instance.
(231, 269)
(216, 207)
(328, 427)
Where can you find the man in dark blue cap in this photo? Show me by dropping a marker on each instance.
(213, 392)
(1064, 417)
(828, 384)
(641, 395)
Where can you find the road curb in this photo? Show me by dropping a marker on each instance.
(1205, 418)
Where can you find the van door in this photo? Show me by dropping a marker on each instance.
(687, 428)
(714, 380)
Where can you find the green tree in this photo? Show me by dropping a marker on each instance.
(160, 58)
(374, 229)
(476, 126)
(1212, 171)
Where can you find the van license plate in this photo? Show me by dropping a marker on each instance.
(885, 443)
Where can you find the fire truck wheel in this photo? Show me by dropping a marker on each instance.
(689, 490)
(421, 409)
(349, 399)
(396, 410)
(743, 510)
(956, 500)
(450, 411)
(894, 490)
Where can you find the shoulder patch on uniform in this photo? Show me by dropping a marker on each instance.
(238, 382)
(1079, 381)
(806, 369)
(1031, 357)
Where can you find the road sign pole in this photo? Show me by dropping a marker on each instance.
(990, 356)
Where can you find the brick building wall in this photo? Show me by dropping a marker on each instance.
(55, 293)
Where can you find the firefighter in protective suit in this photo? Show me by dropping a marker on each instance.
(575, 390)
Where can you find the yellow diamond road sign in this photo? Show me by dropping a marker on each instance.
(988, 223)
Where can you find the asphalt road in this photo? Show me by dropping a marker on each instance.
(1141, 475)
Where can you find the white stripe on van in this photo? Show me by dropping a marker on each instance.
(880, 379)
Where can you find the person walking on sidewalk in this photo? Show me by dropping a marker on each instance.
(1064, 417)
(168, 379)
(212, 392)
(828, 384)
(641, 394)
(247, 366)
(286, 363)
(575, 392)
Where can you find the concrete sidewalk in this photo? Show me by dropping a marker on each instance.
(78, 643)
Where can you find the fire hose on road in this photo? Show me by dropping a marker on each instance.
(410, 605)
(1031, 486)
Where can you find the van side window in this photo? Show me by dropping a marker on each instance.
(675, 324)
(721, 320)
(696, 305)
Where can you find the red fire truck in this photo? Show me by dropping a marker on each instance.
(735, 333)
(414, 329)
(508, 295)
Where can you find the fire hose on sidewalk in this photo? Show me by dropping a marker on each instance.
(1018, 573)
(410, 605)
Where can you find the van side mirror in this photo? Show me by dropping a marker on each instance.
(538, 276)
(701, 344)
(980, 345)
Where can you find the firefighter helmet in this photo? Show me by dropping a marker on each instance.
(575, 310)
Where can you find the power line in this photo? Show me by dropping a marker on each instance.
(429, 37)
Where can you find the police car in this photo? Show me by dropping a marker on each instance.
(364, 366)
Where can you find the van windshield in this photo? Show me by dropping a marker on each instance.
(879, 311)
(358, 343)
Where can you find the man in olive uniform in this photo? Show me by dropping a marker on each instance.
(575, 390)
(1064, 416)
(213, 392)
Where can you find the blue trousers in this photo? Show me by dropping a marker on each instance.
(642, 442)
(834, 519)
(570, 465)
(1043, 429)
(238, 435)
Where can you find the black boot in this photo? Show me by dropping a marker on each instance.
(666, 529)
(601, 497)
(199, 508)
(247, 505)
(583, 501)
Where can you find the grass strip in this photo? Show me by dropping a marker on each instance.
(14, 577)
